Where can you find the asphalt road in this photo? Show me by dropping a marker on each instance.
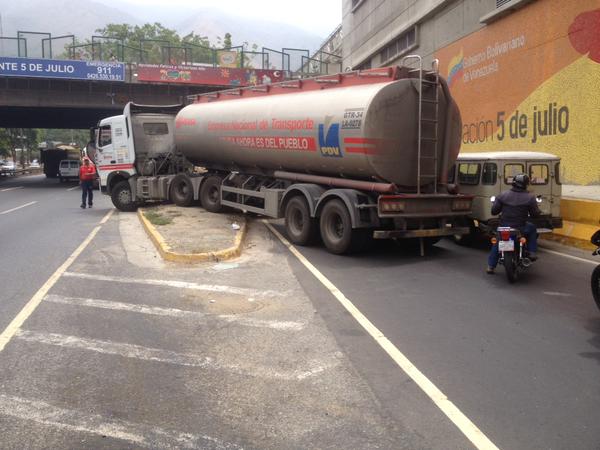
(126, 351)
(521, 361)
(37, 237)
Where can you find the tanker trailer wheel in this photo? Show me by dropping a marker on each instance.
(210, 194)
(336, 229)
(121, 197)
(182, 191)
(300, 227)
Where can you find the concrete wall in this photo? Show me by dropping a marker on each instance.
(526, 76)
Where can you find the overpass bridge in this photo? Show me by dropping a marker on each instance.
(35, 101)
(99, 77)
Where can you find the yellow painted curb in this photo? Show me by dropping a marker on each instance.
(581, 211)
(165, 251)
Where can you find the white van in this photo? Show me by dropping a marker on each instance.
(487, 174)
(68, 169)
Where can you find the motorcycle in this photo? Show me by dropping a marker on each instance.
(512, 246)
(596, 273)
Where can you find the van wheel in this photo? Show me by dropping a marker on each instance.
(210, 194)
(336, 229)
(182, 190)
(300, 227)
(122, 198)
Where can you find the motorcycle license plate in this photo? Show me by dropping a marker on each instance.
(506, 246)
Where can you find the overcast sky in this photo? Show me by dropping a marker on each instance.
(319, 16)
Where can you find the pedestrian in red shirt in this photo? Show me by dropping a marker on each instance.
(87, 173)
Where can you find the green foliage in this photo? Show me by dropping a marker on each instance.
(13, 138)
(156, 218)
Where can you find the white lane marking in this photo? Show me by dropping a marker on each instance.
(576, 258)
(174, 283)
(173, 312)
(33, 303)
(18, 207)
(11, 189)
(557, 294)
(73, 188)
(167, 356)
(82, 421)
(462, 422)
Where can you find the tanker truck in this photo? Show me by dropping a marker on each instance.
(349, 157)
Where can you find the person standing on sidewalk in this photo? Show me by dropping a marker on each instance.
(87, 173)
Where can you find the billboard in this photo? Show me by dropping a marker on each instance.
(530, 81)
(216, 76)
(66, 69)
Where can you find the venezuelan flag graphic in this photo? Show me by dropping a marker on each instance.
(455, 68)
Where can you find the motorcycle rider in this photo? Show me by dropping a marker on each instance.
(515, 206)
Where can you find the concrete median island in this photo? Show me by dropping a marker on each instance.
(193, 235)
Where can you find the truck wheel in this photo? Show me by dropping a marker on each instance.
(182, 191)
(121, 197)
(336, 229)
(596, 285)
(300, 227)
(210, 194)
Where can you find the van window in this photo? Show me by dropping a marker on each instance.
(557, 173)
(468, 173)
(105, 138)
(153, 129)
(510, 170)
(75, 164)
(538, 174)
(489, 174)
(64, 164)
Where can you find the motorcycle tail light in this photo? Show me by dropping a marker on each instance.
(505, 235)
(523, 240)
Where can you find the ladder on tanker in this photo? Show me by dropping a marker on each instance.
(428, 122)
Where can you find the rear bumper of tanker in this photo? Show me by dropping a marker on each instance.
(422, 216)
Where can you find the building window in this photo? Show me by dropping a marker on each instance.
(399, 46)
(364, 66)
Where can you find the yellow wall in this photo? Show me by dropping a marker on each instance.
(531, 81)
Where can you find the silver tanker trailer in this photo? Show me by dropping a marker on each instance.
(353, 156)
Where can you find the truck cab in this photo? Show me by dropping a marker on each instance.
(487, 174)
(138, 142)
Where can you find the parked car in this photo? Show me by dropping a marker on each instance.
(34, 164)
(8, 168)
(68, 169)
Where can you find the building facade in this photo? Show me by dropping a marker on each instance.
(525, 73)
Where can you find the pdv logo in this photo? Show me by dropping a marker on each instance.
(330, 143)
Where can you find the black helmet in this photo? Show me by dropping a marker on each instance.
(521, 181)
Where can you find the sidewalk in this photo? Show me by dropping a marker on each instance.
(193, 235)
(580, 210)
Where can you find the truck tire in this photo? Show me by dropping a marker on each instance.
(596, 285)
(210, 194)
(121, 197)
(336, 229)
(300, 227)
(182, 190)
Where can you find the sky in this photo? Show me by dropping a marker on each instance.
(318, 16)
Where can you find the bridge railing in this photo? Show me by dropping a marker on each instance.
(293, 62)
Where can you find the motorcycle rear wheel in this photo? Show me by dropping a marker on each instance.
(511, 266)
(596, 285)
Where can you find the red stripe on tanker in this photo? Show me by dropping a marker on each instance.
(364, 132)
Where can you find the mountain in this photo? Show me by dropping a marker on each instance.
(83, 17)
(59, 17)
(214, 23)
